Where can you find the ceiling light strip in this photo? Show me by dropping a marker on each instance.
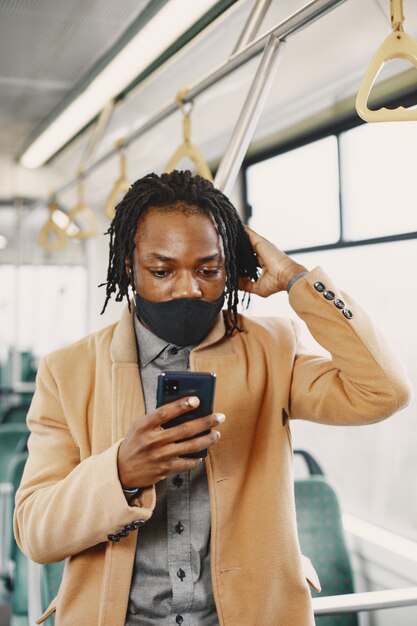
(309, 14)
(168, 25)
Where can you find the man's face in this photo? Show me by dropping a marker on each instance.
(178, 255)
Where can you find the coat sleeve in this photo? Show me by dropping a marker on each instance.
(363, 381)
(64, 505)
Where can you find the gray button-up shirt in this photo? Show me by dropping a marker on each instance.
(171, 581)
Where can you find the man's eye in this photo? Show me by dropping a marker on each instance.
(159, 273)
(210, 272)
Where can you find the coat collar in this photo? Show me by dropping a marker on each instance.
(123, 344)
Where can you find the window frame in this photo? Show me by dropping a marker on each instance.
(336, 128)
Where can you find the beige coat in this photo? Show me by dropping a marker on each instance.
(88, 394)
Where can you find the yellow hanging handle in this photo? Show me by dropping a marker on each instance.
(51, 236)
(188, 149)
(82, 209)
(398, 45)
(121, 186)
(397, 15)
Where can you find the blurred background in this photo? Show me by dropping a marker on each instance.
(80, 80)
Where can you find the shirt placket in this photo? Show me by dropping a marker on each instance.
(180, 572)
(179, 525)
(179, 541)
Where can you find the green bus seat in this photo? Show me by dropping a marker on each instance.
(51, 573)
(19, 578)
(15, 414)
(13, 439)
(322, 540)
(50, 581)
(19, 608)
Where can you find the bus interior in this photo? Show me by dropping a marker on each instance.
(262, 96)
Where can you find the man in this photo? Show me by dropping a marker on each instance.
(151, 537)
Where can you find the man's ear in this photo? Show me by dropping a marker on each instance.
(129, 274)
(127, 267)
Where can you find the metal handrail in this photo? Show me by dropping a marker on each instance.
(296, 22)
(6, 495)
(34, 578)
(367, 601)
(252, 24)
(249, 115)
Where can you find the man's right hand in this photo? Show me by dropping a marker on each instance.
(150, 453)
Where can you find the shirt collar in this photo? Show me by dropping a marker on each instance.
(149, 345)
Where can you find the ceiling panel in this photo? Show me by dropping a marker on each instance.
(21, 107)
(46, 47)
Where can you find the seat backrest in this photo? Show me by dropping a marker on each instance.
(15, 469)
(321, 536)
(13, 438)
(20, 586)
(14, 476)
(19, 583)
(15, 414)
(51, 573)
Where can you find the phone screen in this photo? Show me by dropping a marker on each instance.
(175, 385)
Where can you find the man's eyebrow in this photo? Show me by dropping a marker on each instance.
(155, 256)
(210, 257)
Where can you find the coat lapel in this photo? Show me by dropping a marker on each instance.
(127, 394)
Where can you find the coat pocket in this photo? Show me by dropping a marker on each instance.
(51, 609)
(310, 573)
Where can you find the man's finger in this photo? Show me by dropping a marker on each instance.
(168, 411)
(245, 284)
(191, 428)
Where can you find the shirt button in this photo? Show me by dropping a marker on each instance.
(179, 619)
(178, 481)
(181, 574)
(179, 528)
(319, 287)
(339, 303)
(329, 295)
(347, 313)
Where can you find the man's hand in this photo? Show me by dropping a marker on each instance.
(149, 453)
(277, 268)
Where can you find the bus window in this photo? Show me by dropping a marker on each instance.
(378, 167)
(295, 195)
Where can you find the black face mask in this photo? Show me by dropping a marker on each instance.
(182, 321)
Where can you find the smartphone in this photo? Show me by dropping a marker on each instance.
(175, 385)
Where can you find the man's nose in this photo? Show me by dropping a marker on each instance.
(186, 286)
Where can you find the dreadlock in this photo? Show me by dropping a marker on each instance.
(179, 189)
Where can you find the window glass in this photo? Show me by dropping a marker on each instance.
(295, 196)
(7, 326)
(373, 468)
(45, 307)
(379, 180)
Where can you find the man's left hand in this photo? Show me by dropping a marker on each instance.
(277, 268)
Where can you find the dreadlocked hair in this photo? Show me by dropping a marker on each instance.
(181, 191)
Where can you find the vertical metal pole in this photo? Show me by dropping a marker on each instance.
(249, 116)
(34, 586)
(252, 24)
